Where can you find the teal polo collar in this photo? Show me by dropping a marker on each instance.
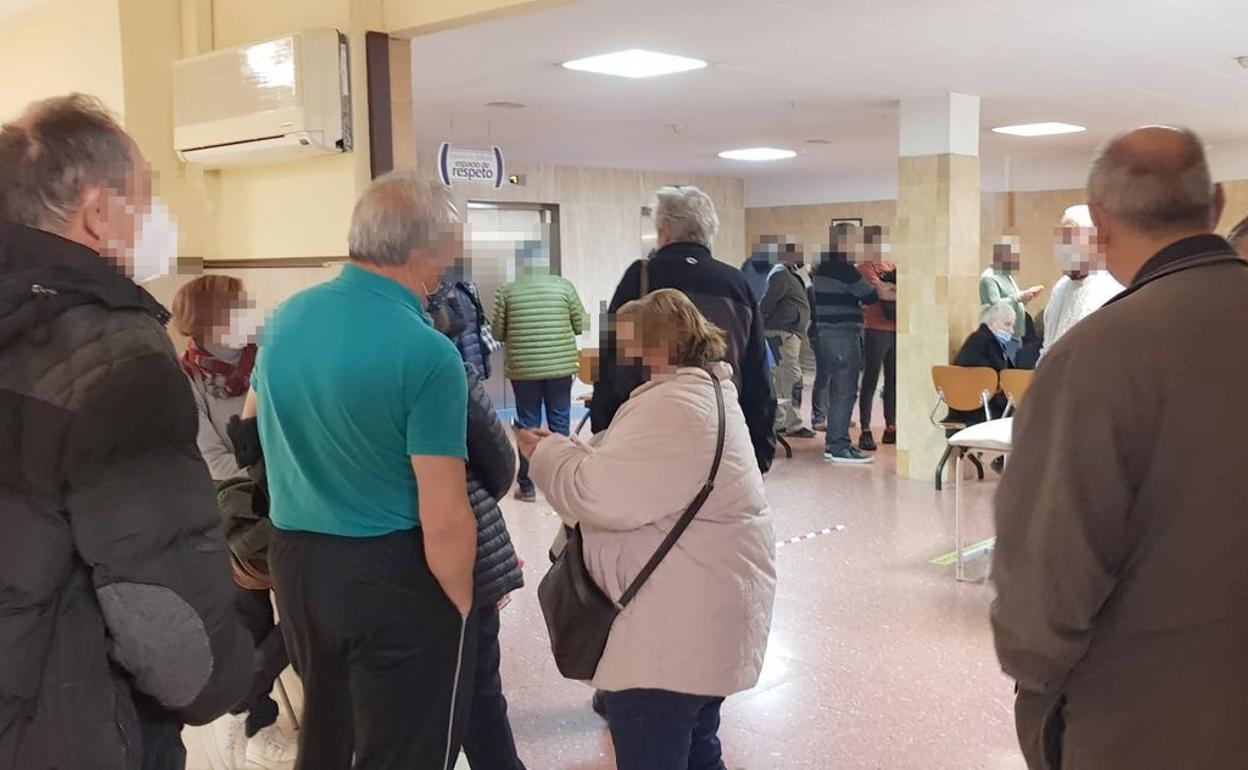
(366, 280)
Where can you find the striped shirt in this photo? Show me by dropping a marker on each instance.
(840, 293)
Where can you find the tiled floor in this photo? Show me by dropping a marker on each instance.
(878, 659)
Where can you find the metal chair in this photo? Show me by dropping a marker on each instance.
(1014, 384)
(990, 436)
(965, 389)
(587, 373)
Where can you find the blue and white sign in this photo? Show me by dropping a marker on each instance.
(459, 166)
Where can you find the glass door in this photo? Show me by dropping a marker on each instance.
(495, 233)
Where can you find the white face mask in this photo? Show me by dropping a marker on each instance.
(155, 251)
(244, 328)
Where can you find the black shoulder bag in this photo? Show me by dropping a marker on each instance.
(578, 614)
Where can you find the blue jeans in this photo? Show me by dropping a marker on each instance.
(531, 396)
(661, 730)
(836, 381)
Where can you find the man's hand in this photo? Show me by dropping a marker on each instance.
(1032, 293)
(448, 526)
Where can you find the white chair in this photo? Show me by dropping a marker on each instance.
(991, 436)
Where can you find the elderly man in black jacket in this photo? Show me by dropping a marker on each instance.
(117, 619)
(686, 222)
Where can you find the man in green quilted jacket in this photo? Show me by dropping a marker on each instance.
(538, 317)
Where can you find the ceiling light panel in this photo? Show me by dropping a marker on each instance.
(757, 154)
(635, 63)
(1039, 129)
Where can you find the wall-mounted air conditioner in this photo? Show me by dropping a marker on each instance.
(267, 101)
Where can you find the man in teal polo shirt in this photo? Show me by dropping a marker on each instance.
(361, 404)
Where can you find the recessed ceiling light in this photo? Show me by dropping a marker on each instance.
(635, 63)
(1039, 129)
(757, 153)
(505, 105)
(1243, 61)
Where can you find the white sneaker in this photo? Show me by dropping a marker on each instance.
(273, 748)
(225, 742)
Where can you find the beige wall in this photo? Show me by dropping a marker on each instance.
(60, 46)
(298, 208)
(1032, 216)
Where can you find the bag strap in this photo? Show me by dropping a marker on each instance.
(687, 518)
(643, 279)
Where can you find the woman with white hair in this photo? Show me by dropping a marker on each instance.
(988, 346)
(1085, 285)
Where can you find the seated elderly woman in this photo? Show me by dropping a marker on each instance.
(988, 346)
(697, 630)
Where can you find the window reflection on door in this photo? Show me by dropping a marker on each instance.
(495, 233)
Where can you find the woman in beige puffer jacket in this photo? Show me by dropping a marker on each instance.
(697, 631)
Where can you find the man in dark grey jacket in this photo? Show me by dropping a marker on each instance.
(686, 221)
(1121, 568)
(117, 618)
(786, 316)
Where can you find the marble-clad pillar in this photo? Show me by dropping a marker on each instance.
(936, 246)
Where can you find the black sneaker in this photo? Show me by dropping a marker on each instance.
(820, 425)
(848, 456)
(890, 436)
(526, 497)
(866, 442)
(802, 432)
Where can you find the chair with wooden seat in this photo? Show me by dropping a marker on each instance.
(963, 389)
(587, 360)
(1014, 384)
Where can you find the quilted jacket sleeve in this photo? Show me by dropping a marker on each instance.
(144, 518)
(490, 454)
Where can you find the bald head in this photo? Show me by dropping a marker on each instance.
(1154, 180)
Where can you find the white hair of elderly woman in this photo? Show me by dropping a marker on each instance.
(400, 212)
(997, 314)
(685, 215)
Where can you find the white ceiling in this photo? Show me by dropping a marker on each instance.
(784, 71)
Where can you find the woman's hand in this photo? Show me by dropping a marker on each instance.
(527, 440)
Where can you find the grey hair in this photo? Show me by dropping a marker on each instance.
(398, 214)
(688, 215)
(1149, 195)
(53, 153)
(1001, 310)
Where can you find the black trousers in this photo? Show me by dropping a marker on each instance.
(881, 353)
(489, 744)
(380, 649)
(256, 611)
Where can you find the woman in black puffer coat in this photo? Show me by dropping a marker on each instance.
(464, 322)
(488, 742)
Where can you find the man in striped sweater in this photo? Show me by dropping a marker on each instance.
(840, 294)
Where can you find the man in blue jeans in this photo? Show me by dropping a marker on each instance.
(840, 294)
(538, 317)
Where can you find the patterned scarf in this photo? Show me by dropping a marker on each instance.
(221, 379)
